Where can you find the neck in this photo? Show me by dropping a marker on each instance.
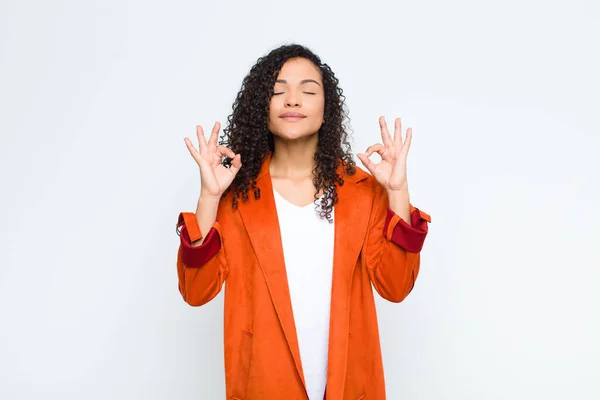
(293, 158)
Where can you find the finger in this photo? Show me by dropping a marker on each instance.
(236, 164)
(385, 134)
(398, 133)
(377, 148)
(214, 136)
(407, 140)
(370, 165)
(384, 152)
(224, 150)
(192, 149)
(201, 139)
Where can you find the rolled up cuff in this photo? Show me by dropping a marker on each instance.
(409, 237)
(195, 257)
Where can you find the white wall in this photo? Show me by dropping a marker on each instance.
(96, 97)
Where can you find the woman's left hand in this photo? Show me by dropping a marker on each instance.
(391, 170)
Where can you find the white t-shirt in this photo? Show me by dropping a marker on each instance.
(308, 252)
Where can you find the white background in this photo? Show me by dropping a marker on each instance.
(97, 96)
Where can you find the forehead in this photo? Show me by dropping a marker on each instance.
(298, 69)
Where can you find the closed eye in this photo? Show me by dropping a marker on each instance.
(312, 93)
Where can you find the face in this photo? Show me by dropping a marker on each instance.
(297, 105)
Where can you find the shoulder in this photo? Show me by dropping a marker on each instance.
(363, 184)
(363, 178)
(358, 176)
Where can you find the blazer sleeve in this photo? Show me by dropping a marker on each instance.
(201, 270)
(391, 252)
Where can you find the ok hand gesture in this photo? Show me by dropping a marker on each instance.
(391, 171)
(215, 177)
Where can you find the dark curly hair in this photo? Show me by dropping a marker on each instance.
(247, 130)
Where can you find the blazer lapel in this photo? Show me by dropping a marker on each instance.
(351, 223)
(262, 225)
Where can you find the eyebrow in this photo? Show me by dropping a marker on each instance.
(301, 82)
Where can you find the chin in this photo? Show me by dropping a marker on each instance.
(293, 134)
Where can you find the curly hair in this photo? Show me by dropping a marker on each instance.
(247, 130)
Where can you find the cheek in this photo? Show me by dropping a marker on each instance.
(273, 112)
(319, 109)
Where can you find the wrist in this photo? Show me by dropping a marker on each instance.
(399, 203)
(208, 199)
(399, 194)
(207, 206)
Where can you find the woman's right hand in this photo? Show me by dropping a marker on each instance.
(215, 177)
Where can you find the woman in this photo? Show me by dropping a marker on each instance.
(299, 233)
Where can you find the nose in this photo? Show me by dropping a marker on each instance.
(292, 100)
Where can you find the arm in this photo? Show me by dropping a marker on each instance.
(201, 264)
(206, 215)
(391, 253)
(397, 229)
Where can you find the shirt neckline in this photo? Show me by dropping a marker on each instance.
(277, 194)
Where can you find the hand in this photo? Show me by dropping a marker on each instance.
(391, 171)
(215, 177)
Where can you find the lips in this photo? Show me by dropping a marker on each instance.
(292, 116)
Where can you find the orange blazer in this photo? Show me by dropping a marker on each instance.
(373, 246)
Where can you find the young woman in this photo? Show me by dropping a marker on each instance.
(299, 233)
